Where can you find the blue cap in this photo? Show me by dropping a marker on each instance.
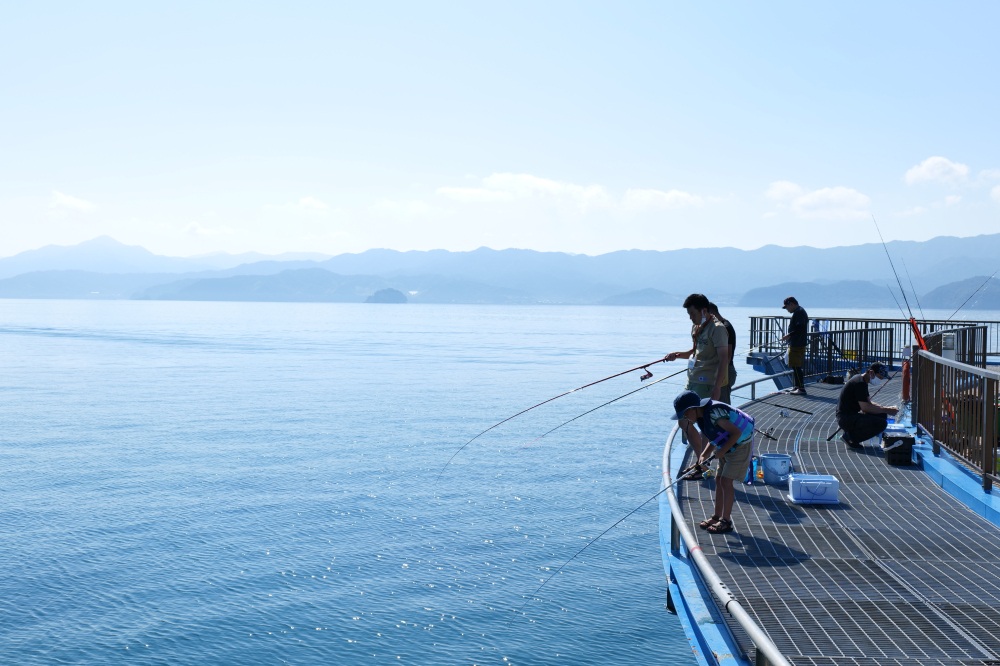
(686, 401)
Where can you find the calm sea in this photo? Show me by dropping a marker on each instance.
(265, 483)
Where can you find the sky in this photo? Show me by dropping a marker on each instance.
(587, 127)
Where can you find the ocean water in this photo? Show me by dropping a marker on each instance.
(263, 483)
(258, 483)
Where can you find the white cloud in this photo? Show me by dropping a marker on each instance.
(783, 190)
(501, 187)
(474, 194)
(312, 203)
(911, 212)
(646, 199)
(939, 169)
(835, 203)
(952, 199)
(995, 193)
(60, 200)
(196, 229)
(405, 210)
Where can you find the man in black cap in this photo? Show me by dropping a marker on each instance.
(857, 415)
(797, 338)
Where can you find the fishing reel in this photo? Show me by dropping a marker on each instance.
(647, 375)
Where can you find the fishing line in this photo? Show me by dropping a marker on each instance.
(760, 401)
(641, 388)
(645, 376)
(973, 294)
(680, 476)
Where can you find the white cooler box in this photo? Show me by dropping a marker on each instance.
(813, 489)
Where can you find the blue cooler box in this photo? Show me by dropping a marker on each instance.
(813, 489)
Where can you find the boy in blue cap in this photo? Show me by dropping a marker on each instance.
(730, 431)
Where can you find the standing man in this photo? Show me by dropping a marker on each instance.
(796, 339)
(727, 392)
(859, 417)
(707, 364)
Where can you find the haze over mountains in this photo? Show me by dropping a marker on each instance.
(942, 272)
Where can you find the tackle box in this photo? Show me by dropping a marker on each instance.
(898, 447)
(813, 489)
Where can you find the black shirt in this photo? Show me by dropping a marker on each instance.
(798, 327)
(855, 391)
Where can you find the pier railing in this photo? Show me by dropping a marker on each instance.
(957, 405)
(835, 352)
(965, 345)
(766, 331)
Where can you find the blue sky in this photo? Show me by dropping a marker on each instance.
(585, 127)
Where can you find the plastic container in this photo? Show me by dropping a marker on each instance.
(777, 467)
(813, 489)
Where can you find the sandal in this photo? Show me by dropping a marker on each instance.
(708, 522)
(696, 473)
(720, 527)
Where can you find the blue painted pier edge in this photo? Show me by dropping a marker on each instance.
(711, 641)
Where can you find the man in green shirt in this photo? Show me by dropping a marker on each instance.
(708, 357)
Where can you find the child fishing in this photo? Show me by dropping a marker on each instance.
(730, 431)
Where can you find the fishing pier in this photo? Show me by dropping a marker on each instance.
(903, 569)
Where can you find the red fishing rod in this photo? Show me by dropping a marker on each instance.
(646, 375)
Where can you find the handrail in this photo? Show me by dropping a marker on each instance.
(971, 369)
(958, 405)
(765, 646)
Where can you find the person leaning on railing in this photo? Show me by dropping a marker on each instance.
(857, 415)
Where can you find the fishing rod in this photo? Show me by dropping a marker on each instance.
(761, 401)
(646, 375)
(641, 388)
(973, 294)
(913, 322)
(912, 288)
(893, 294)
(680, 477)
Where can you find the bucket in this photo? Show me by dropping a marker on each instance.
(777, 467)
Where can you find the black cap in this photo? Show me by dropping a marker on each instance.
(686, 401)
(878, 370)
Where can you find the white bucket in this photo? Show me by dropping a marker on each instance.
(777, 467)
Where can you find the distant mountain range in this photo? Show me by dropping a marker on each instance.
(944, 272)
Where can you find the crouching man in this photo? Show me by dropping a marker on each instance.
(857, 415)
(730, 431)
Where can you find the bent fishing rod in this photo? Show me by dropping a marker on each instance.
(680, 477)
(641, 388)
(646, 375)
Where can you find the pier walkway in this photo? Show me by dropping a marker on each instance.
(899, 572)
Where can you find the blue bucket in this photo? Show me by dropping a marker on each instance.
(777, 467)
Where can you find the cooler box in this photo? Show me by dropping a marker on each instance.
(898, 448)
(813, 489)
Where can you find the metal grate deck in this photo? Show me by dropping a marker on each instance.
(898, 573)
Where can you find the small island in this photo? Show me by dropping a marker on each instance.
(387, 296)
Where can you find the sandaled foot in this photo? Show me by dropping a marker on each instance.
(708, 522)
(720, 527)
